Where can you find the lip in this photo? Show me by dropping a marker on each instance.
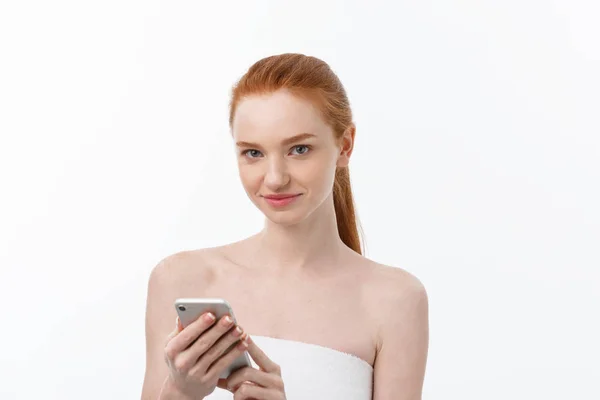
(281, 200)
(279, 196)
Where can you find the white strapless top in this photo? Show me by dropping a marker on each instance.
(314, 372)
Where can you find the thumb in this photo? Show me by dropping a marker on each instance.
(222, 383)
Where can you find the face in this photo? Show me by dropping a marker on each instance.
(284, 148)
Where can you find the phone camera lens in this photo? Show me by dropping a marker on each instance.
(181, 308)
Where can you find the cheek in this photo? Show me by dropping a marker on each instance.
(318, 175)
(249, 176)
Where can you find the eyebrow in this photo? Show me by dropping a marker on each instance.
(290, 140)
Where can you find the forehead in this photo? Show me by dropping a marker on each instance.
(276, 115)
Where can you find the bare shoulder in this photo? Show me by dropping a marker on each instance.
(391, 283)
(395, 283)
(190, 272)
(176, 268)
(396, 296)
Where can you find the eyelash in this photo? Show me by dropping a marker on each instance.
(309, 148)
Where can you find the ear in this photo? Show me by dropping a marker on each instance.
(346, 146)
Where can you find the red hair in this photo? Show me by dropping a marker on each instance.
(312, 79)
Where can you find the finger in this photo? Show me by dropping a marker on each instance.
(191, 332)
(247, 391)
(217, 342)
(222, 383)
(216, 368)
(261, 359)
(179, 340)
(255, 376)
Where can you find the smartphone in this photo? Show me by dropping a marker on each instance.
(189, 309)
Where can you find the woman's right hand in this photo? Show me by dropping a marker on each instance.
(197, 354)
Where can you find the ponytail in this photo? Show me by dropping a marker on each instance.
(345, 214)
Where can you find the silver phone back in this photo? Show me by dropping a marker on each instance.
(189, 309)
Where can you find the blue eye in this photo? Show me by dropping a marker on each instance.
(251, 151)
(301, 147)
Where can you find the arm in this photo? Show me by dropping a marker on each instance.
(157, 327)
(399, 368)
(164, 285)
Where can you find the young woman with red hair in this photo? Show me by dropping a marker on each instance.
(318, 319)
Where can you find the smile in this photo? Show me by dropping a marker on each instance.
(282, 201)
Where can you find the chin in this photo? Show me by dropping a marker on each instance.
(285, 218)
(288, 217)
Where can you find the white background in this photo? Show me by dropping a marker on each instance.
(476, 168)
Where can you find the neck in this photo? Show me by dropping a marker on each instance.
(311, 245)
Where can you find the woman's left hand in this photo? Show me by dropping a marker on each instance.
(251, 383)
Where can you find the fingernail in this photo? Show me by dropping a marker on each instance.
(210, 317)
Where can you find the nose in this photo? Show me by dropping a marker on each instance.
(276, 175)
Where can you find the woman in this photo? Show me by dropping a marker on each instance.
(319, 320)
